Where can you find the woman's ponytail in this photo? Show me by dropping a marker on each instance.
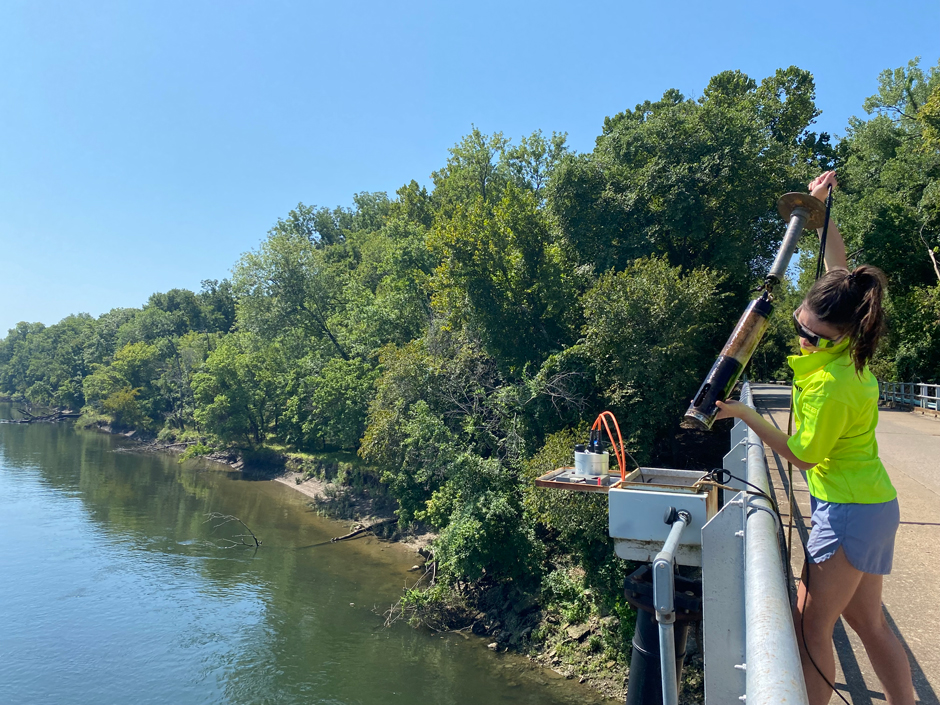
(869, 323)
(853, 303)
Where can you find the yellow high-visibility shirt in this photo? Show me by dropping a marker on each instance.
(835, 412)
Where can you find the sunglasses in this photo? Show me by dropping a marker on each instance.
(817, 341)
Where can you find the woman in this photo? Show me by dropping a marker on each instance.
(854, 505)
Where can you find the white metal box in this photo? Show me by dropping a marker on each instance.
(638, 504)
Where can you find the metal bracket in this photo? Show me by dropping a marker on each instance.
(723, 578)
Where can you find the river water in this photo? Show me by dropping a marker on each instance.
(115, 589)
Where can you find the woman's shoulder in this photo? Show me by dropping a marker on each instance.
(839, 381)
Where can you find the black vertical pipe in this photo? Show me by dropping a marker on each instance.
(645, 682)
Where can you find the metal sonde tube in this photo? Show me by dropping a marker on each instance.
(800, 210)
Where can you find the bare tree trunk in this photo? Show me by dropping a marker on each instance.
(930, 253)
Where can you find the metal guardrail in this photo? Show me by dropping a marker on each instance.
(774, 673)
(925, 396)
(750, 647)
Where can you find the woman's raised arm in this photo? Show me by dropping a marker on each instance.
(835, 245)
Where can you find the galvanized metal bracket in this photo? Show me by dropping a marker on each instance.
(723, 583)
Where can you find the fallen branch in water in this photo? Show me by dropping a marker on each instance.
(46, 418)
(224, 519)
(364, 529)
(150, 446)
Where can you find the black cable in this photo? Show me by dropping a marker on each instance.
(822, 675)
(725, 475)
(821, 263)
(758, 492)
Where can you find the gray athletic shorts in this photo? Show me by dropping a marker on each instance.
(864, 531)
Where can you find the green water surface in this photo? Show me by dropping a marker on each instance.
(115, 589)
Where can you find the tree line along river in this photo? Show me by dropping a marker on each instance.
(114, 588)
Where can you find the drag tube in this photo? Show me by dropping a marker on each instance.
(730, 364)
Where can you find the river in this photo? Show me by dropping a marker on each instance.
(114, 588)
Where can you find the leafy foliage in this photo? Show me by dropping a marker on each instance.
(647, 329)
(889, 208)
(500, 272)
(694, 181)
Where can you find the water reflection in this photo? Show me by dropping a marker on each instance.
(113, 592)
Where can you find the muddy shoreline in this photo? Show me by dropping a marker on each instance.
(358, 512)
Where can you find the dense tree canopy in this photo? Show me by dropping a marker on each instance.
(695, 181)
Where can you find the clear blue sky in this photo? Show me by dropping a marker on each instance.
(146, 145)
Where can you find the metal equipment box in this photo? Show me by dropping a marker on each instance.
(637, 505)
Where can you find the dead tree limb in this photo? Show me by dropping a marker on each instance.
(222, 520)
(364, 529)
(933, 257)
(45, 418)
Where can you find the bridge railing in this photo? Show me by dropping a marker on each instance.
(774, 670)
(919, 394)
(750, 646)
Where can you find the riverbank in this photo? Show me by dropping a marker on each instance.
(343, 504)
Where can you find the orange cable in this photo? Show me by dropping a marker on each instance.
(601, 419)
(620, 456)
(623, 458)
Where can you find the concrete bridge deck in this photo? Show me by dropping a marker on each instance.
(909, 445)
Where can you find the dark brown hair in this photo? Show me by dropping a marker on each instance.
(852, 302)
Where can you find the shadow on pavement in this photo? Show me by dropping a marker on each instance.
(925, 693)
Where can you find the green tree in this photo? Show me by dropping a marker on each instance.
(502, 275)
(929, 119)
(237, 393)
(46, 364)
(651, 334)
(121, 405)
(695, 181)
(289, 283)
(889, 211)
(128, 389)
(532, 162)
(217, 304)
(340, 401)
(385, 291)
(483, 527)
(474, 170)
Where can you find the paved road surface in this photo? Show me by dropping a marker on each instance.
(909, 445)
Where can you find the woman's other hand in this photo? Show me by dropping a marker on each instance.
(835, 247)
(731, 409)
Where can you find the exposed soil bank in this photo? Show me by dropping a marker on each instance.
(341, 503)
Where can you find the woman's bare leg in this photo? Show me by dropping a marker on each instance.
(831, 586)
(887, 656)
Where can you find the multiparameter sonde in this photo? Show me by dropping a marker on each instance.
(800, 210)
